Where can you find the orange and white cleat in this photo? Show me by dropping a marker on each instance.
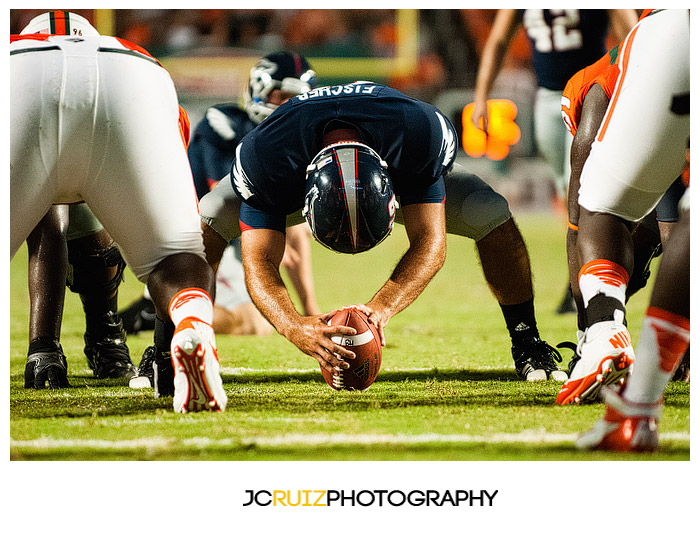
(198, 384)
(606, 357)
(626, 426)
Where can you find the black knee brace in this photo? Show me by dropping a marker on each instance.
(85, 269)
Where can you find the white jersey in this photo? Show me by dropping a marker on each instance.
(96, 119)
(640, 148)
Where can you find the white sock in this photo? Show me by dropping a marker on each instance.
(602, 277)
(662, 342)
(191, 302)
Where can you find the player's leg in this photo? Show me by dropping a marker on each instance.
(473, 209)
(234, 312)
(553, 141)
(33, 189)
(96, 270)
(639, 152)
(143, 194)
(631, 419)
(219, 211)
(48, 262)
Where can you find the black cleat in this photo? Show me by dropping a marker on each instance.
(535, 360)
(682, 373)
(106, 351)
(567, 304)
(45, 367)
(139, 316)
(155, 370)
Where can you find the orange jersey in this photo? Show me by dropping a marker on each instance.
(604, 72)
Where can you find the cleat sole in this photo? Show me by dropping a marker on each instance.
(612, 370)
(199, 397)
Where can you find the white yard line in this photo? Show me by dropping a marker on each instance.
(532, 437)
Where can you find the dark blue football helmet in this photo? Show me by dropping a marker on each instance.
(286, 71)
(350, 204)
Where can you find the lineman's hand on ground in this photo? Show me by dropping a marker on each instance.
(46, 367)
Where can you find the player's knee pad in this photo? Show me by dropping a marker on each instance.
(472, 208)
(220, 209)
(86, 271)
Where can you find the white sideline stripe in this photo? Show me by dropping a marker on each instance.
(528, 437)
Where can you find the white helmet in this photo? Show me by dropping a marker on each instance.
(60, 23)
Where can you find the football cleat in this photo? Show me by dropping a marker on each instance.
(535, 360)
(139, 316)
(155, 370)
(567, 304)
(43, 367)
(626, 426)
(106, 350)
(604, 357)
(198, 384)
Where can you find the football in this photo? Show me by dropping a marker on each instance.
(366, 346)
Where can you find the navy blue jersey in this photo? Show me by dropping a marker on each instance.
(564, 41)
(415, 139)
(214, 142)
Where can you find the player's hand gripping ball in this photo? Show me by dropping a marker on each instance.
(367, 349)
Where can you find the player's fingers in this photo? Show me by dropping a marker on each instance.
(325, 317)
(325, 364)
(29, 376)
(332, 360)
(379, 323)
(40, 379)
(57, 379)
(330, 331)
(342, 352)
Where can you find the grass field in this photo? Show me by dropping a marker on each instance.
(446, 391)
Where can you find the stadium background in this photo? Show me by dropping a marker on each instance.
(430, 54)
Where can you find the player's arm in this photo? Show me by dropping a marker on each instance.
(262, 251)
(622, 21)
(592, 111)
(425, 228)
(502, 32)
(297, 262)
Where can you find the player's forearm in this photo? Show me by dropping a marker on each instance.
(410, 277)
(270, 296)
(490, 66)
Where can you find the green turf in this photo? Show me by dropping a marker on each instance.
(446, 390)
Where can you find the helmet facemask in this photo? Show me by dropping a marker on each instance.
(289, 73)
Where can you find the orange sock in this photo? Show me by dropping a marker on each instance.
(191, 302)
(602, 276)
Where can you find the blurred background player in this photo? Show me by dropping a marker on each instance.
(70, 246)
(273, 80)
(112, 137)
(562, 42)
(394, 144)
(638, 153)
(584, 102)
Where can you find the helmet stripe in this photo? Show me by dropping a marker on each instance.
(59, 22)
(347, 164)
